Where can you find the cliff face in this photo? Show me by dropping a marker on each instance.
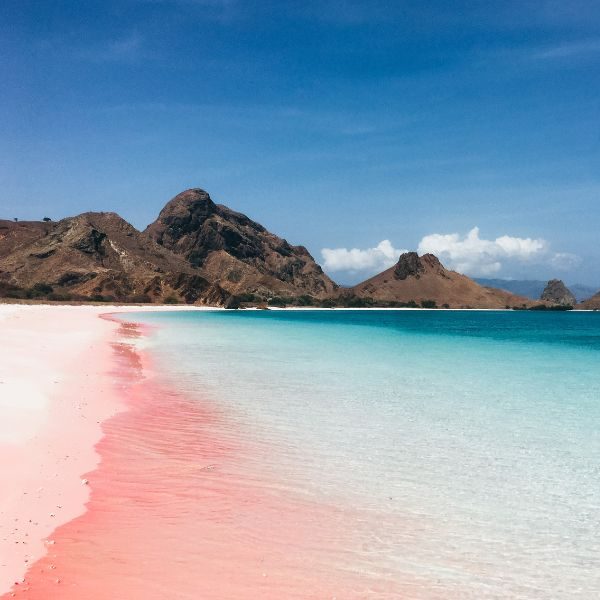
(236, 252)
(97, 255)
(421, 278)
(556, 292)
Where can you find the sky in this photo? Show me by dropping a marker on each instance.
(470, 129)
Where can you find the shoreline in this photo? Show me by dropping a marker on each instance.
(92, 405)
(110, 308)
(150, 472)
(56, 392)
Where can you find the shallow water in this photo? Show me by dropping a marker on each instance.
(354, 454)
(467, 440)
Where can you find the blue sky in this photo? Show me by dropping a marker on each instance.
(338, 125)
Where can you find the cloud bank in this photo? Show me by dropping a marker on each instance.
(355, 260)
(474, 255)
(469, 254)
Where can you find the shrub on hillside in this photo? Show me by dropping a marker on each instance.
(428, 304)
(279, 301)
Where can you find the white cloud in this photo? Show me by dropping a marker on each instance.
(376, 259)
(469, 254)
(474, 255)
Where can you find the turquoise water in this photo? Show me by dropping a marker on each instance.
(462, 447)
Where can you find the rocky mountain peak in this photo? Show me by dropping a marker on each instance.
(193, 200)
(186, 212)
(409, 264)
(558, 293)
(236, 251)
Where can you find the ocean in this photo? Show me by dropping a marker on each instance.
(346, 454)
(459, 449)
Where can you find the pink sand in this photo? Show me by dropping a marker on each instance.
(53, 365)
(171, 511)
(55, 391)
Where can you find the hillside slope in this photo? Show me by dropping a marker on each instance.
(423, 278)
(100, 256)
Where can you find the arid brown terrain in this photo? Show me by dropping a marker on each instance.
(424, 280)
(97, 256)
(592, 304)
(205, 253)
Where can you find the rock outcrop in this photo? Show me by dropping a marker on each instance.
(423, 280)
(556, 292)
(235, 252)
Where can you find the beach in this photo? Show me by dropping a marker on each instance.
(193, 453)
(54, 395)
(121, 486)
(56, 390)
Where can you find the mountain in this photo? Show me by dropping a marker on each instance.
(423, 278)
(235, 252)
(96, 256)
(196, 251)
(556, 292)
(532, 288)
(205, 253)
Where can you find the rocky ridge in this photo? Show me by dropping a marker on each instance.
(235, 252)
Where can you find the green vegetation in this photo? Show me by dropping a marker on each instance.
(328, 303)
(556, 307)
(305, 300)
(248, 297)
(7, 290)
(351, 301)
(101, 298)
(428, 304)
(278, 301)
(233, 303)
(60, 297)
(39, 290)
(356, 302)
(140, 299)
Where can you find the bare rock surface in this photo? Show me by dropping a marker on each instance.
(556, 292)
(236, 252)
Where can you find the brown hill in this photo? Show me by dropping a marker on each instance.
(592, 303)
(96, 256)
(236, 252)
(423, 278)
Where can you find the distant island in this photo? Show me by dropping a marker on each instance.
(533, 288)
(200, 252)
